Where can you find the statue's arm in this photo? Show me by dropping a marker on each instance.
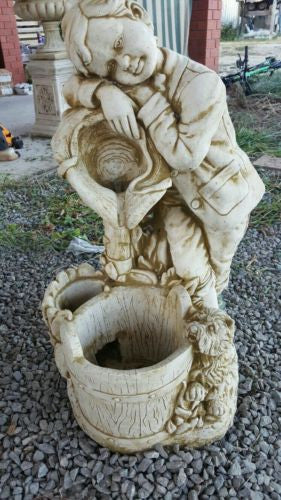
(184, 140)
(95, 92)
(81, 91)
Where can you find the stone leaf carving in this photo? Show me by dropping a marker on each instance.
(45, 100)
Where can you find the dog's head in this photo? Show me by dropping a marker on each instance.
(210, 331)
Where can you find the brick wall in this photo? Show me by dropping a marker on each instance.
(10, 56)
(205, 31)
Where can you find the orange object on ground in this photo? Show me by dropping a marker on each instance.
(8, 145)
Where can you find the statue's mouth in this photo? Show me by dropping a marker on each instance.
(139, 66)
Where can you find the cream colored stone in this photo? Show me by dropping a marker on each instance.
(148, 144)
(49, 67)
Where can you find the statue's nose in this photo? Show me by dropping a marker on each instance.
(124, 62)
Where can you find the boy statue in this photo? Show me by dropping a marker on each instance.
(182, 106)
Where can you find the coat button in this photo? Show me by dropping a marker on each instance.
(195, 204)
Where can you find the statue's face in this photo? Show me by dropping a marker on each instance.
(123, 50)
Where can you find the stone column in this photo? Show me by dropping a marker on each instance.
(50, 67)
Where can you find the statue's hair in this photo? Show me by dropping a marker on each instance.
(76, 20)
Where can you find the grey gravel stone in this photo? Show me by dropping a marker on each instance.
(197, 465)
(50, 456)
(247, 467)
(235, 469)
(42, 471)
(34, 488)
(17, 375)
(181, 478)
(192, 495)
(144, 464)
(26, 465)
(47, 448)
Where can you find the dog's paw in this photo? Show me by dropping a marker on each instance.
(215, 408)
(195, 392)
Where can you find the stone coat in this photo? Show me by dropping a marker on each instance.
(190, 126)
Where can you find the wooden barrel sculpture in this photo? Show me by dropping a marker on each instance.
(125, 360)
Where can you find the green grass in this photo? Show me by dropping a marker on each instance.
(258, 129)
(268, 212)
(257, 137)
(228, 33)
(67, 218)
(255, 142)
(268, 85)
(57, 211)
(13, 236)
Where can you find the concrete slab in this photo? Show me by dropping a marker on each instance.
(258, 51)
(17, 114)
(36, 159)
(270, 162)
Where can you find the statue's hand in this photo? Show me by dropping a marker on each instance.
(118, 110)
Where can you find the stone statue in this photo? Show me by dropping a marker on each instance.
(149, 145)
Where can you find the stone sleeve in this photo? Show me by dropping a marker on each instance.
(80, 91)
(184, 139)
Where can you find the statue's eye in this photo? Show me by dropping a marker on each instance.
(119, 43)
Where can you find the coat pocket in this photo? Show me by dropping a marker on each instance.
(226, 190)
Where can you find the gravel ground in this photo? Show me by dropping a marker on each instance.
(44, 454)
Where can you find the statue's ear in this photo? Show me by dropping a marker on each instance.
(139, 12)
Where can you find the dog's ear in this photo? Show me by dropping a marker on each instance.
(230, 325)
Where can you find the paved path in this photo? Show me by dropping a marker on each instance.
(17, 114)
(258, 51)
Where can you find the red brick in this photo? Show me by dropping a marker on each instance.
(214, 52)
(5, 18)
(213, 4)
(205, 32)
(199, 15)
(199, 5)
(10, 41)
(198, 35)
(6, 11)
(216, 14)
(212, 24)
(199, 26)
(216, 34)
(8, 45)
(211, 44)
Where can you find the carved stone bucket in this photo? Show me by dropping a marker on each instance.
(124, 356)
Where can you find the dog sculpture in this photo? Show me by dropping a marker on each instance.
(204, 396)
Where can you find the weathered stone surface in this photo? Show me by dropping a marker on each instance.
(148, 144)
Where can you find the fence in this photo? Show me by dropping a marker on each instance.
(230, 12)
(171, 19)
